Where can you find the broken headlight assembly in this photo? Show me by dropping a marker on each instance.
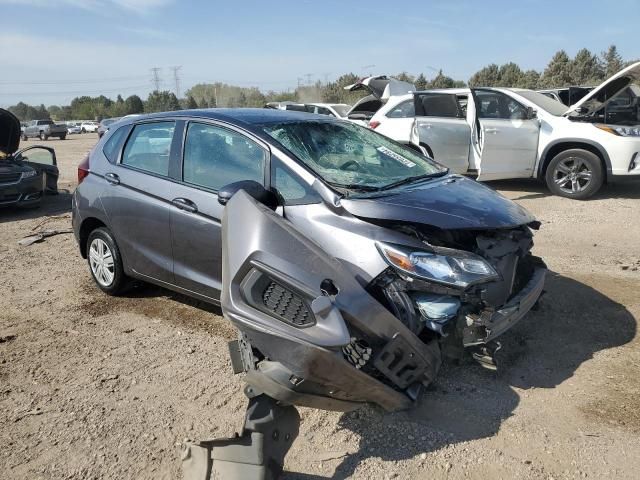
(29, 174)
(446, 266)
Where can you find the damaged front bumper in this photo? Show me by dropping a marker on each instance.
(489, 324)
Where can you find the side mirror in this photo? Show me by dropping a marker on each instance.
(251, 187)
(531, 113)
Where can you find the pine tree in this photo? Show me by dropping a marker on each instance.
(611, 61)
(557, 74)
(586, 69)
(489, 76)
(421, 82)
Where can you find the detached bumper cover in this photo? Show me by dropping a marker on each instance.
(490, 325)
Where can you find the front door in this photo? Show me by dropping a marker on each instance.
(43, 160)
(137, 203)
(213, 156)
(505, 139)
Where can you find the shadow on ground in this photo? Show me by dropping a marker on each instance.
(532, 189)
(52, 205)
(574, 322)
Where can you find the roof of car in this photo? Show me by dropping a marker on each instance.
(242, 116)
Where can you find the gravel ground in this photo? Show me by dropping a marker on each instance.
(99, 387)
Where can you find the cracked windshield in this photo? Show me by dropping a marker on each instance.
(349, 157)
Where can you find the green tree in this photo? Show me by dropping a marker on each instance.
(528, 79)
(611, 61)
(191, 103)
(443, 81)
(489, 76)
(509, 75)
(586, 69)
(133, 104)
(405, 77)
(558, 72)
(421, 82)
(164, 101)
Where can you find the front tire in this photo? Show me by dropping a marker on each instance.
(575, 173)
(63, 137)
(24, 138)
(44, 137)
(105, 262)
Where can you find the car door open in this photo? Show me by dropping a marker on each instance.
(42, 159)
(504, 137)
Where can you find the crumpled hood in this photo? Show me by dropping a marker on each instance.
(451, 202)
(9, 132)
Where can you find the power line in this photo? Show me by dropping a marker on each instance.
(155, 77)
(78, 82)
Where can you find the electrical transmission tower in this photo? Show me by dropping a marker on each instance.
(155, 77)
(176, 78)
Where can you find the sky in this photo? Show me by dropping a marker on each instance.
(54, 50)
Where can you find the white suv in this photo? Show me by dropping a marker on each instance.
(499, 133)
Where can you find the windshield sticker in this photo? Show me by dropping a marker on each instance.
(395, 156)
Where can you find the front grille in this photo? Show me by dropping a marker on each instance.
(286, 305)
(9, 177)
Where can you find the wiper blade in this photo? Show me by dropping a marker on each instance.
(355, 186)
(408, 180)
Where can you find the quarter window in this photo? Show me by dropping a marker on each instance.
(148, 147)
(112, 146)
(215, 157)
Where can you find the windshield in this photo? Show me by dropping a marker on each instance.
(548, 104)
(341, 109)
(352, 157)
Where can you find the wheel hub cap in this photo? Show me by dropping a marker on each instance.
(101, 262)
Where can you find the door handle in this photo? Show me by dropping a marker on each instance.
(112, 178)
(491, 130)
(185, 204)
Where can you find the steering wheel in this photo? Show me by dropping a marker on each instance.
(348, 163)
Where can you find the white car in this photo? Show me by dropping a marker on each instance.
(380, 89)
(500, 133)
(338, 110)
(89, 127)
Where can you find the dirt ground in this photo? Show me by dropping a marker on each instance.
(97, 387)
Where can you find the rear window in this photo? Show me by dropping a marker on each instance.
(45, 122)
(148, 147)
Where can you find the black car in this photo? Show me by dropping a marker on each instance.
(25, 175)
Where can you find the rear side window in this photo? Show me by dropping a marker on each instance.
(148, 147)
(215, 157)
(112, 146)
(438, 105)
(403, 110)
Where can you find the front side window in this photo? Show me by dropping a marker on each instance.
(349, 156)
(148, 147)
(497, 105)
(215, 157)
(404, 109)
(292, 189)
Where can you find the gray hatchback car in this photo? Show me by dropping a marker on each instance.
(448, 257)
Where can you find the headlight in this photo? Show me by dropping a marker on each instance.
(29, 174)
(441, 265)
(620, 131)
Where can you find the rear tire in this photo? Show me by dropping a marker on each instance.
(105, 262)
(63, 137)
(575, 173)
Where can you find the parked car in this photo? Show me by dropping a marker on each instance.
(90, 127)
(499, 133)
(567, 95)
(380, 89)
(427, 257)
(74, 127)
(43, 129)
(295, 106)
(104, 125)
(25, 175)
(338, 110)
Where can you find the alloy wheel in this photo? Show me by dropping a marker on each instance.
(572, 175)
(101, 262)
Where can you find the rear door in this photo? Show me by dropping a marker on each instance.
(42, 159)
(441, 127)
(213, 156)
(505, 140)
(136, 199)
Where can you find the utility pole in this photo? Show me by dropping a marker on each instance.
(308, 75)
(176, 79)
(300, 81)
(155, 77)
